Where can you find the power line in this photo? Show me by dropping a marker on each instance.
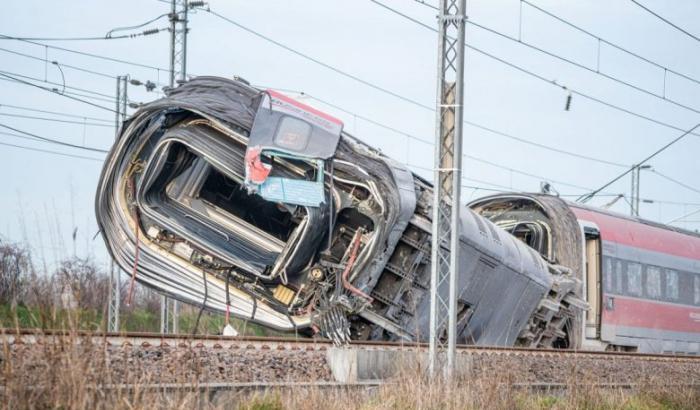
(653, 13)
(473, 124)
(430, 143)
(675, 181)
(31, 117)
(595, 70)
(611, 44)
(319, 62)
(120, 37)
(584, 67)
(83, 53)
(26, 77)
(540, 77)
(82, 117)
(109, 33)
(586, 197)
(56, 92)
(50, 152)
(394, 94)
(54, 141)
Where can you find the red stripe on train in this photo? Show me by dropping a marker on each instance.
(651, 315)
(633, 233)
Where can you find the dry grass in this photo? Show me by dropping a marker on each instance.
(72, 373)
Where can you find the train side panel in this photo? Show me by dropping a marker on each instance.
(650, 285)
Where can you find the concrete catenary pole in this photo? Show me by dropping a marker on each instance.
(447, 187)
(114, 301)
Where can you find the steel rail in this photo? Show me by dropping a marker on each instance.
(142, 339)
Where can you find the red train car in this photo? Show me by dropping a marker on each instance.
(640, 278)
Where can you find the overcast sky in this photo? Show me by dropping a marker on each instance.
(45, 197)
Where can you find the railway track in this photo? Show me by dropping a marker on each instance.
(151, 340)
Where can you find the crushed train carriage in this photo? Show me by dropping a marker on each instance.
(241, 199)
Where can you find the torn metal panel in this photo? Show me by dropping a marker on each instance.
(311, 231)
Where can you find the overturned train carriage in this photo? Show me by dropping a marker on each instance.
(246, 201)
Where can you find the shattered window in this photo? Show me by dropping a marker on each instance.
(634, 279)
(653, 282)
(672, 284)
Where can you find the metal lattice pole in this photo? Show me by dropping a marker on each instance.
(447, 184)
(114, 271)
(178, 72)
(178, 41)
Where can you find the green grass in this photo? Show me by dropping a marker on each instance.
(136, 320)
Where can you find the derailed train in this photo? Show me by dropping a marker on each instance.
(244, 200)
(640, 278)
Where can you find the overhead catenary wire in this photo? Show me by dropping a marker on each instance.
(46, 151)
(18, 80)
(62, 114)
(611, 44)
(665, 20)
(595, 70)
(590, 195)
(387, 91)
(54, 141)
(26, 77)
(88, 38)
(471, 123)
(541, 77)
(69, 66)
(675, 181)
(32, 117)
(83, 53)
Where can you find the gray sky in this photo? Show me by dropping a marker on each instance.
(46, 196)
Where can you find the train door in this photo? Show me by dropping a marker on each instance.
(592, 281)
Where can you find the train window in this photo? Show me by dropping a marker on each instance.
(696, 290)
(608, 274)
(618, 276)
(634, 279)
(671, 284)
(653, 282)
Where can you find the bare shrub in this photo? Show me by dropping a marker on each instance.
(15, 272)
(84, 282)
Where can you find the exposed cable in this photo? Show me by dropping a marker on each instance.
(653, 13)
